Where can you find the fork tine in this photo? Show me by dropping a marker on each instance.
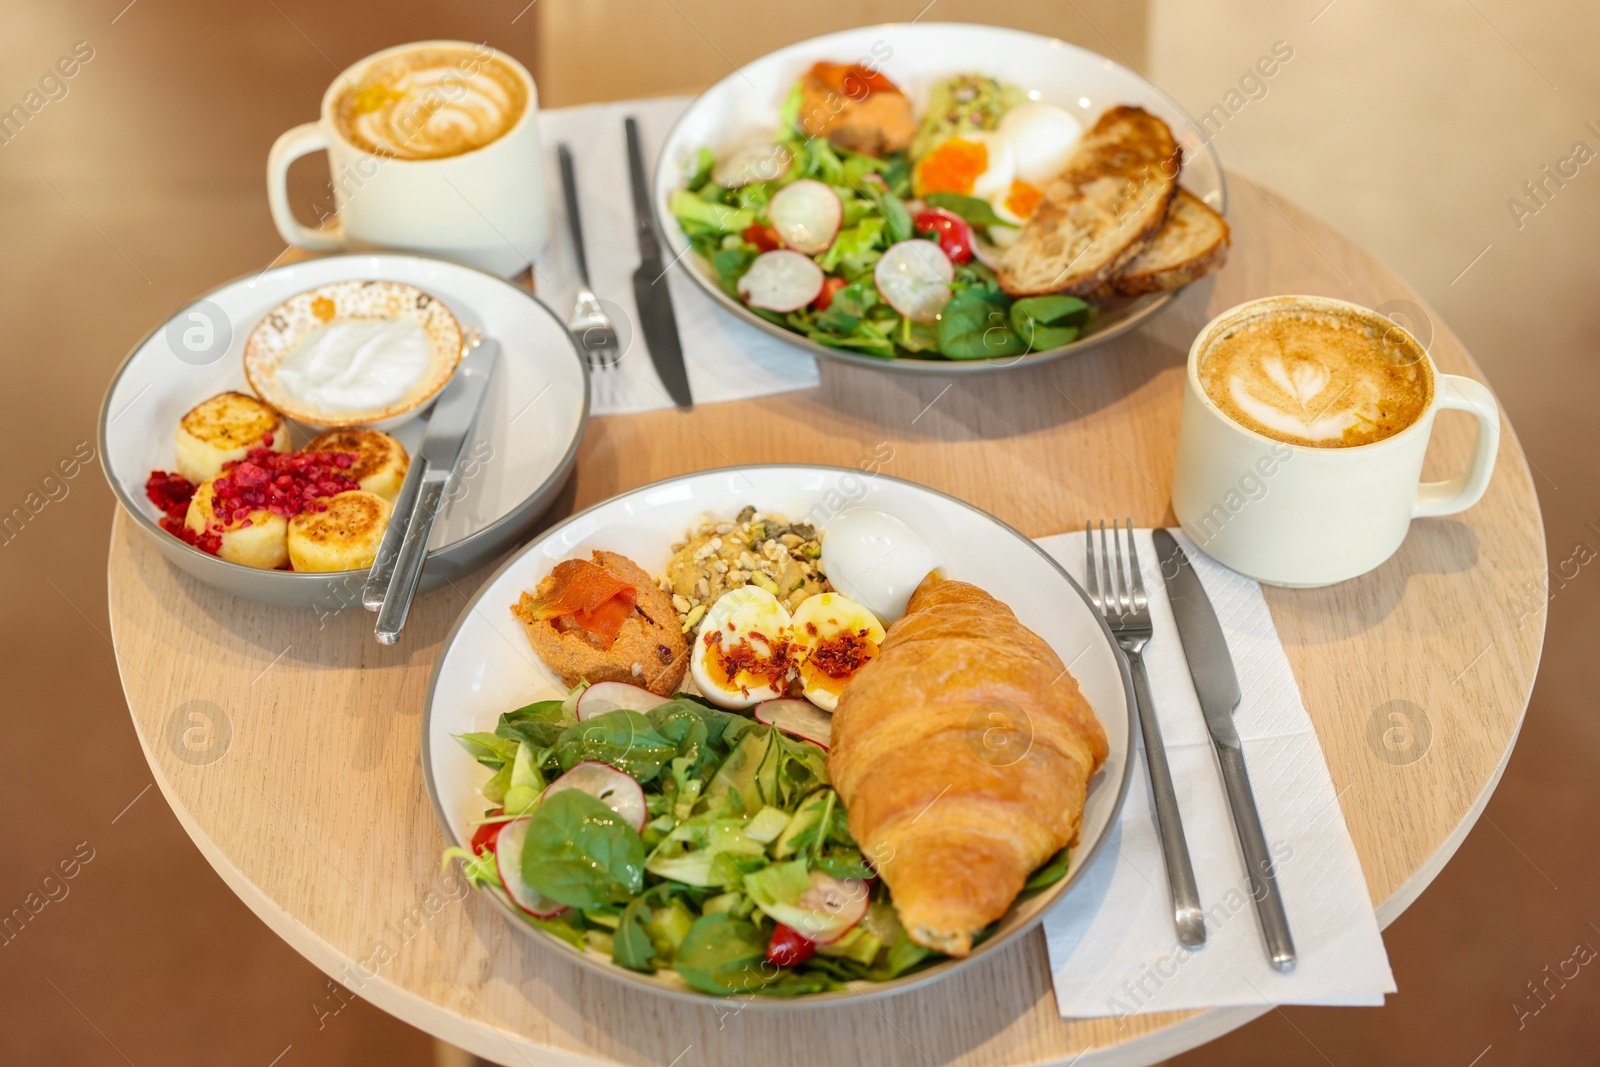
(1089, 568)
(1107, 573)
(1140, 601)
(1124, 595)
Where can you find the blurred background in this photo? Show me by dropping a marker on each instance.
(1412, 126)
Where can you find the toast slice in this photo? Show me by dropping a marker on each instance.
(1101, 211)
(1191, 244)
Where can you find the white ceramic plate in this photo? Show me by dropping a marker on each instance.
(486, 666)
(513, 466)
(915, 56)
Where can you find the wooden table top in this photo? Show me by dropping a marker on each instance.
(308, 796)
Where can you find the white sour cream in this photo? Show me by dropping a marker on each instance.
(354, 366)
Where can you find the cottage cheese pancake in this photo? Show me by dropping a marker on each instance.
(431, 103)
(1316, 376)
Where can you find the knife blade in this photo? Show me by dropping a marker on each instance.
(657, 321)
(1216, 684)
(454, 415)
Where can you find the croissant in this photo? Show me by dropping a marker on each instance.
(963, 753)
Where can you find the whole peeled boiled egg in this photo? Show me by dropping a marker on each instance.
(743, 652)
(834, 637)
(975, 163)
(876, 560)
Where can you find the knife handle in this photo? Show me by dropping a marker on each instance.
(382, 572)
(1263, 879)
(641, 190)
(1186, 914)
(408, 567)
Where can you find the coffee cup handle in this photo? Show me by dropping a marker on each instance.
(300, 141)
(1467, 488)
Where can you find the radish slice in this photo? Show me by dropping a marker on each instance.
(761, 162)
(799, 717)
(781, 281)
(835, 905)
(914, 277)
(508, 858)
(806, 215)
(986, 253)
(611, 787)
(609, 696)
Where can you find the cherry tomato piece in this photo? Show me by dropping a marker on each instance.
(830, 286)
(763, 237)
(483, 837)
(949, 229)
(789, 947)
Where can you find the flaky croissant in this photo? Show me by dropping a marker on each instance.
(963, 753)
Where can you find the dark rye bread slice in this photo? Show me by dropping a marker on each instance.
(1192, 243)
(1100, 211)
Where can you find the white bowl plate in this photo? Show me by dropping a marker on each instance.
(512, 467)
(487, 667)
(915, 56)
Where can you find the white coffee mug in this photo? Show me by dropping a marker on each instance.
(1293, 515)
(485, 207)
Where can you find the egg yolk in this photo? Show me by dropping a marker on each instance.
(734, 667)
(953, 167)
(1022, 198)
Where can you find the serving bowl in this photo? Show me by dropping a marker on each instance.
(486, 666)
(518, 458)
(915, 56)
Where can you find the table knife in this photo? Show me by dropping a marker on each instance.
(656, 318)
(1217, 686)
(454, 415)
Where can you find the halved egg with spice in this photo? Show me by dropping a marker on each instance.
(834, 637)
(743, 653)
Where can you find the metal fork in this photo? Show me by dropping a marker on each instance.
(1127, 612)
(588, 324)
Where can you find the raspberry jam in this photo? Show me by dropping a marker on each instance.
(284, 483)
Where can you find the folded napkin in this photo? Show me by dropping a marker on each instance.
(727, 359)
(1113, 949)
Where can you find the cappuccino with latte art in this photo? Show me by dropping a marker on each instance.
(1323, 377)
(430, 103)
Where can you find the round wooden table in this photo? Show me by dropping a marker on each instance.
(287, 744)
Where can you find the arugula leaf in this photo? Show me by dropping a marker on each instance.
(623, 738)
(581, 853)
(974, 326)
(1054, 869)
(1045, 322)
(631, 946)
(894, 212)
(725, 956)
(977, 212)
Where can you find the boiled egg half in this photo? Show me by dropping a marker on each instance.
(834, 637)
(1009, 167)
(876, 560)
(743, 651)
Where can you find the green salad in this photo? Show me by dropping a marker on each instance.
(832, 245)
(688, 839)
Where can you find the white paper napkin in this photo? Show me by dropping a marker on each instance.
(1113, 949)
(727, 359)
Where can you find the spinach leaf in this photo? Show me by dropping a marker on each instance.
(581, 853)
(1045, 322)
(731, 263)
(723, 955)
(540, 735)
(631, 946)
(538, 711)
(977, 212)
(491, 750)
(974, 326)
(894, 212)
(625, 739)
(1054, 869)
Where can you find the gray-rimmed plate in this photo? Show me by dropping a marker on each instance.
(516, 462)
(914, 56)
(486, 666)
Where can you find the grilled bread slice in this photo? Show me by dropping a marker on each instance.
(381, 461)
(1192, 243)
(223, 428)
(257, 540)
(345, 537)
(1101, 211)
